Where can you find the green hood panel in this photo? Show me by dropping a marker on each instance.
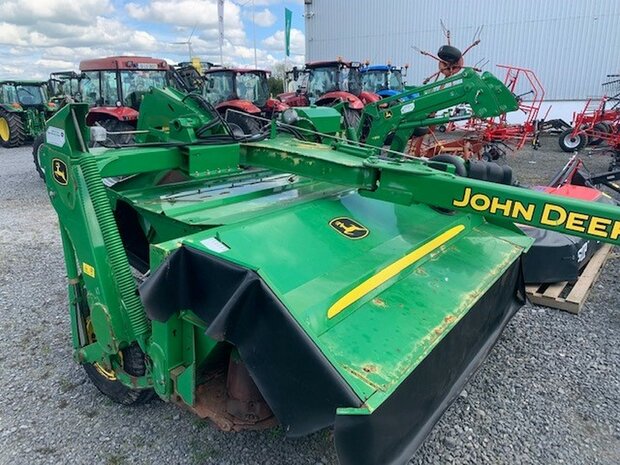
(379, 339)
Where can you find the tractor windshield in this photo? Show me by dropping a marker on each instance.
(134, 84)
(374, 81)
(378, 80)
(322, 80)
(100, 88)
(328, 79)
(220, 87)
(106, 88)
(253, 87)
(24, 94)
(61, 86)
(395, 80)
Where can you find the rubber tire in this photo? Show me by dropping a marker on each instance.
(17, 134)
(583, 140)
(599, 127)
(247, 124)
(114, 125)
(36, 145)
(133, 363)
(352, 117)
(449, 54)
(457, 162)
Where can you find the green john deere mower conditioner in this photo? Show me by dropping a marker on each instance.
(276, 280)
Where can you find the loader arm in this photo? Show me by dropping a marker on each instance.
(397, 116)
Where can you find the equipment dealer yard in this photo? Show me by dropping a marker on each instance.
(549, 392)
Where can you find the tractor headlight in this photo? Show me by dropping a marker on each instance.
(290, 116)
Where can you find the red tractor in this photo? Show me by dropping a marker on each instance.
(330, 83)
(240, 95)
(114, 87)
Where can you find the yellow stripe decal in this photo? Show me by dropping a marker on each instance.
(392, 270)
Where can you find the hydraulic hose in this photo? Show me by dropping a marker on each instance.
(114, 247)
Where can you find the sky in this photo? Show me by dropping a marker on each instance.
(39, 37)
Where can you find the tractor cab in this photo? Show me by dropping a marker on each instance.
(24, 94)
(114, 86)
(223, 84)
(65, 84)
(329, 83)
(383, 80)
(333, 76)
(241, 96)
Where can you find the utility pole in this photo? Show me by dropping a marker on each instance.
(254, 32)
(220, 20)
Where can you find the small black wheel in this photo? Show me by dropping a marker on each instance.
(133, 361)
(242, 125)
(37, 145)
(572, 143)
(600, 128)
(106, 382)
(12, 133)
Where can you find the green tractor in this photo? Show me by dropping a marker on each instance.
(24, 107)
(270, 279)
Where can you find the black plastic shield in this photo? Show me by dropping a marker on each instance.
(300, 385)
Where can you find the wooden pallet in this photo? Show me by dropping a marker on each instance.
(567, 296)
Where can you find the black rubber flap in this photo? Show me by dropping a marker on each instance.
(300, 385)
(555, 257)
(392, 434)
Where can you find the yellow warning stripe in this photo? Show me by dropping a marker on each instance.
(392, 270)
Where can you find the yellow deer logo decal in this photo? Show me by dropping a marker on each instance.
(349, 228)
(59, 171)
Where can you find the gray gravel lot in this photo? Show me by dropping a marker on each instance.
(548, 394)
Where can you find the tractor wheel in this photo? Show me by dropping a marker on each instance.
(114, 125)
(12, 132)
(352, 117)
(106, 382)
(601, 128)
(37, 144)
(242, 125)
(569, 143)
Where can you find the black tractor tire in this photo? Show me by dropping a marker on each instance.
(114, 125)
(600, 128)
(241, 122)
(37, 144)
(352, 117)
(449, 54)
(572, 144)
(134, 364)
(16, 133)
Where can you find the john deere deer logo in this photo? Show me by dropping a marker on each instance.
(59, 170)
(349, 228)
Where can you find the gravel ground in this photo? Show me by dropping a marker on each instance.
(548, 394)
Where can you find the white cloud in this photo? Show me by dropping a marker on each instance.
(37, 38)
(264, 18)
(276, 42)
(189, 13)
(56, 11)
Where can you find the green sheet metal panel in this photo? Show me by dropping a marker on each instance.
(310, 265)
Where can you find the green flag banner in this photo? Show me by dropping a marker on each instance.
(288, 16)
